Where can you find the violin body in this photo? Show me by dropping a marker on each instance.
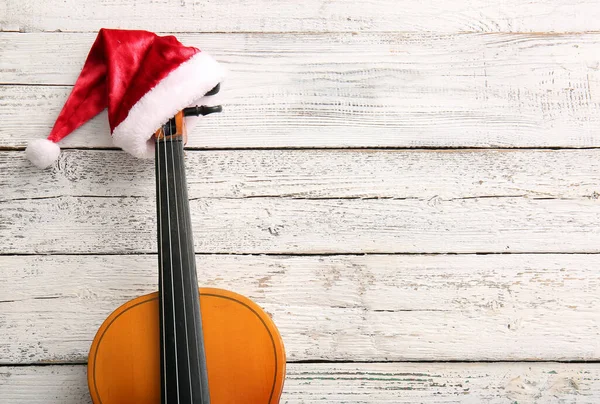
(245, 356)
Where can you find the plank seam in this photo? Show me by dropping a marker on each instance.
(316, 198)
(25, 30)
(334, 362)
(283, 255)
(334, 148)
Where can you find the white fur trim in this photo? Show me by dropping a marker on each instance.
(181, 88)
(42, 152)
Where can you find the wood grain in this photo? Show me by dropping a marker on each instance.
(316, 174)
(428, 383)
(345, 90)
(117, 225)
(310, 16)
(328, 74)
(359, 308)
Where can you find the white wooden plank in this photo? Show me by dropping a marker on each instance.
(4, 25)
(344, 90)
(361, 308)
(427, 383)
(423, 174)
(310, 16)
(299, 226)
(44, 384)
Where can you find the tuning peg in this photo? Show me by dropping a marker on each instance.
(215, 90)
(202, 110)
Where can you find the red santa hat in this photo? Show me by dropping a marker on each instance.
(142, 78)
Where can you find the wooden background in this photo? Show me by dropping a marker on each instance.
(410, 189)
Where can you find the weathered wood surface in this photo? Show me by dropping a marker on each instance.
(428, 383)
(335, 202)
(345, 90)
(369, 308)
(328, 74)
(308, 16)
(119, 225)
(317, 174)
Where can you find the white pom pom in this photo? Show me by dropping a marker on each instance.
(42, 152)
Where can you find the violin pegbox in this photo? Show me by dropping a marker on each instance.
(175, 128)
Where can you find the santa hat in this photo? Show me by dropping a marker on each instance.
(142, 78)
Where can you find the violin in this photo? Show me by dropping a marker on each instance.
(184, 345)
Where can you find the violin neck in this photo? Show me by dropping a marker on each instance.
(183, 363)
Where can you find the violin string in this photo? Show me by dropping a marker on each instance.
(194, 289)
(172, 283)
(187, 343)
(161, 269)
